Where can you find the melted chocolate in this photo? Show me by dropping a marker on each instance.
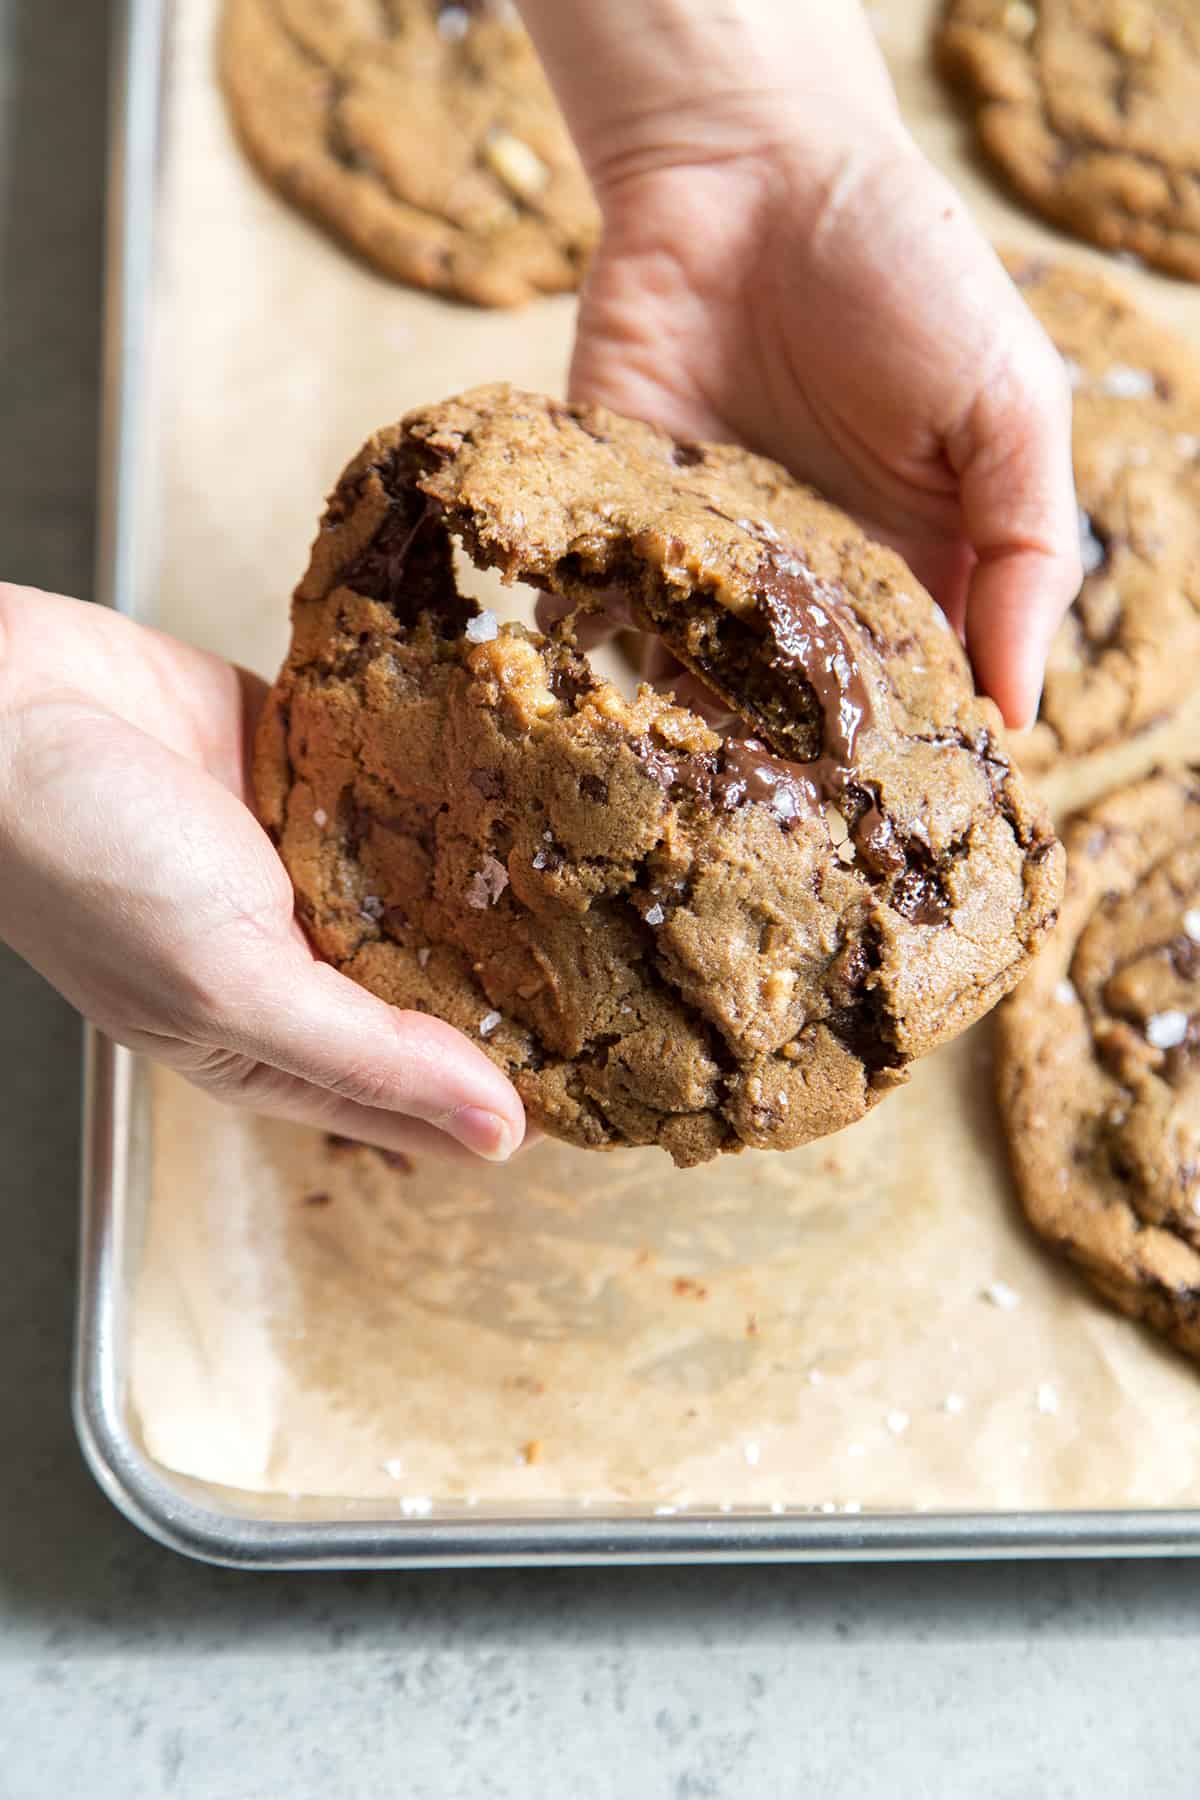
(808, 639)
(920, 898)
(876, 841)
(408, 565)
(1185, 958)
(749, 772)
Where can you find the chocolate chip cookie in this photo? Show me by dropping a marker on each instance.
(664, 936)
(1092, 110)
(421, 132)
(1098, 1064)
(1129, 650)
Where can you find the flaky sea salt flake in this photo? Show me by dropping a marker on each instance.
(453, 23)
(655, 915)
(1126, 383)
(481, 629)
(320, 818)
(1165, 1030)
(488, 1023)
(752, 1452)
(487, 884)
(897, 1422)
(953, 1403)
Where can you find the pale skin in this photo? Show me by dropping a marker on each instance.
(779, 267)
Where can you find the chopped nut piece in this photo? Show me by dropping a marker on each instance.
(520, 169)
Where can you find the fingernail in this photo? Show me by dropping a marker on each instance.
(486, 1133)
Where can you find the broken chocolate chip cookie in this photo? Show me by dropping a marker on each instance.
(663, 935)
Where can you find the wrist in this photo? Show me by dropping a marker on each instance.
(653, 84)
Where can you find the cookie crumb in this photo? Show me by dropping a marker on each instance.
(1000, 1294)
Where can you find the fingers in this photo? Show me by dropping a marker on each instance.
(1013, 457)
(238, 1081)
(299, 1024)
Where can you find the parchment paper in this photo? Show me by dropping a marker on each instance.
(864, 1323)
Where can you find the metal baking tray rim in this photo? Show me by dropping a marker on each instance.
(178, 1511)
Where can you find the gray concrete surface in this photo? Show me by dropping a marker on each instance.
(127, 1672)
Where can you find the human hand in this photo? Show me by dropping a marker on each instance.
(782, 268)
(137, 880)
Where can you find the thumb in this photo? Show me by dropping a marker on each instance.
(1013, 460)
(318, 1026)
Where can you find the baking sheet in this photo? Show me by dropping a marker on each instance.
(862, 1324)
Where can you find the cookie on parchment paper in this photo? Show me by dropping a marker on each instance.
(1098, 1062)
(1128, 652)
(1092, 110)
(423, 133)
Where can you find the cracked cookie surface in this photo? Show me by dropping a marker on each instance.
(421, 132)
(1127, 652)
(662, 935)
(1098, 1064)
(1092, 110)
